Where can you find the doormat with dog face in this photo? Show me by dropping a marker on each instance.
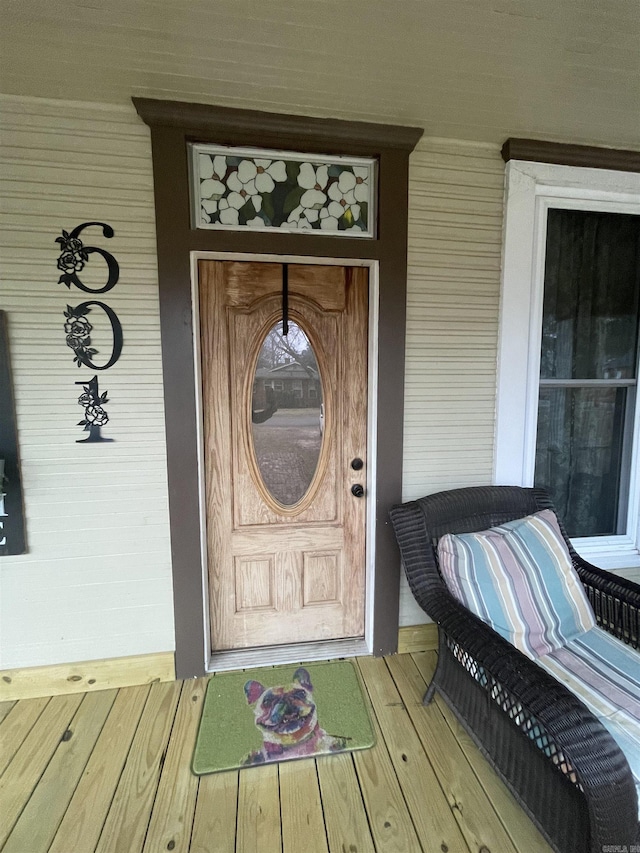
(287, 712)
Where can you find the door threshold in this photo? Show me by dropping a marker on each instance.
(291, 653)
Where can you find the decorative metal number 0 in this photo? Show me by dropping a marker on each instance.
(78, 329)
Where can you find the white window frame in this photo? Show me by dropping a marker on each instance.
(530, 190)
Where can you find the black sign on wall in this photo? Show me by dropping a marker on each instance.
(12, 530)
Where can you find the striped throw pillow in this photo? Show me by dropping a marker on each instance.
(519, 579)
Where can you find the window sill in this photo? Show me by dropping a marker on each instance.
(609, 552)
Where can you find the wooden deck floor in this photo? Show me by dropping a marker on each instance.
(109, 771)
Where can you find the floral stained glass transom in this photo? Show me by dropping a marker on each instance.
(245, 188)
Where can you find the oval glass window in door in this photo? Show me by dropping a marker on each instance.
(287, 413)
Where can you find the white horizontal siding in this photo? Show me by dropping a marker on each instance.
(97, 519)
(96, 581)
(455, 235)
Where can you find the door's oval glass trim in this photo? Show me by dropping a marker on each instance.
(286, 419)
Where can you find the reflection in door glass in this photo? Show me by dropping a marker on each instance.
(287, 413)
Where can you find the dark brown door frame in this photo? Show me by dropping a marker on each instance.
(173, 125)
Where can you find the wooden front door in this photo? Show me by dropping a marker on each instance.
(285, 441)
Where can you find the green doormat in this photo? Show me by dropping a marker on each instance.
(277, 714)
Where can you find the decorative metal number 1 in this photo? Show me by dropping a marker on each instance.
(95, 415)
(72, 260)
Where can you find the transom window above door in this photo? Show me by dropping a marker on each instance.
(254, 189)
(568, 418)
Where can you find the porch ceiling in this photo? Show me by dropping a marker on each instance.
(472, 69)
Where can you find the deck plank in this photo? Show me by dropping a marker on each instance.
(301, 807)
(30, 761)
(216, 811)
(471, 807)
(82, 823)
(5, 707)
(39, 821)
(174, 807)
(391, 825)
(428, 807)
(126, 825)
(16, 725)
(521, 829)
(344, 813)
(259, 808)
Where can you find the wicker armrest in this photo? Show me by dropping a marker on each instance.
(615, 601)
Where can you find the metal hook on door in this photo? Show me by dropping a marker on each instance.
(285, 300)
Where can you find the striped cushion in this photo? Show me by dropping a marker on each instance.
(605, 674)
(519, 579)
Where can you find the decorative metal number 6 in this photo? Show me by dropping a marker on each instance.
(75, 254)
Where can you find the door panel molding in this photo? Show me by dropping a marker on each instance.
(173, 126)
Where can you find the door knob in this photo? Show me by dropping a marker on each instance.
(357, 490)
(357, 463)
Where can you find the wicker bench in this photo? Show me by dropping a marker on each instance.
(556, 757)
